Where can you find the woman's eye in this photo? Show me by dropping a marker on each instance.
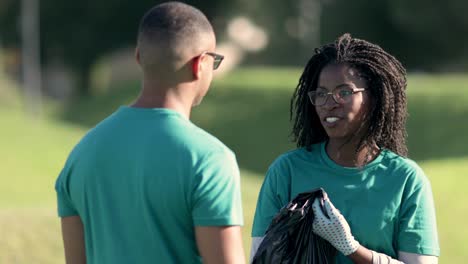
(345, 93)
(321, 94)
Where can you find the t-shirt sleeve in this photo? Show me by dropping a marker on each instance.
(417, 226)
(64, 204)
(216, 196)
(273, 196)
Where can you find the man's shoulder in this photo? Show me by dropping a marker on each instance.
(205, 141)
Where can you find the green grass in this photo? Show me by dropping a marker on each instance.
(32, 152)
(437, 124)
(30, 235)
(449, 182)
(248, 110)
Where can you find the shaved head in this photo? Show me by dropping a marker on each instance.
(172, 33)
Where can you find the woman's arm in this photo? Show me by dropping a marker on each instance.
(364, 255)
(256, 241)
(335, 230)
(411, 258)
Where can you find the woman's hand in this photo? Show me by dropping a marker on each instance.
(333, 227)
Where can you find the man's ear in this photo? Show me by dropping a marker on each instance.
(137, 55)
(197, 66)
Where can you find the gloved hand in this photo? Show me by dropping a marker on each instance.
(334, 228)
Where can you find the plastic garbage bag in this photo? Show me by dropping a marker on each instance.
(290, 239)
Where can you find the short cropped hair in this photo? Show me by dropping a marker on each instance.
(171, 26)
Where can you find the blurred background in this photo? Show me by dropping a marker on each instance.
(64, 66)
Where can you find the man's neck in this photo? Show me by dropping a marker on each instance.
(163, 98)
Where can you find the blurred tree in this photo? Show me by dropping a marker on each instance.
(424, 35)
(435, 32)
(79, 32)
(281, 21)
(9, 20)
(30, 53)
(298, 27)
(369, 20)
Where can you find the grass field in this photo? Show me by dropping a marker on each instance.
(248, 110)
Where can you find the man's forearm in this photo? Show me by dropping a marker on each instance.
(221, 244)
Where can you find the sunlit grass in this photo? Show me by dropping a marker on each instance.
(32, 153)
(30, 235)
(449, 183)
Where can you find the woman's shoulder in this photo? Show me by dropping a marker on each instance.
(298, 153)
(295, 156)
(404, 166)
(393, 159)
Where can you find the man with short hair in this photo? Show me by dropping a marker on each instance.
(146, 185)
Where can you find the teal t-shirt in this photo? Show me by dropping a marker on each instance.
(388, 203)
(141, 180)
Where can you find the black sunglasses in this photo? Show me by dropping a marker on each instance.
(218, 58)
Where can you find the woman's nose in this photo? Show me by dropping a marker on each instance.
(330, 102)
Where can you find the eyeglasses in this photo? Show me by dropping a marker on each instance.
(341, 95)
(218, 58)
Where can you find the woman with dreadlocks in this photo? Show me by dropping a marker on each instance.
(349, 114)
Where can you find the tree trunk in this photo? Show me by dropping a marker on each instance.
(30, 56)
(83, 75)
(309, 25)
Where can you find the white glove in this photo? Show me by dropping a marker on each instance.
(334, 228)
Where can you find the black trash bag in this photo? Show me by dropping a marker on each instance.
(289, 238)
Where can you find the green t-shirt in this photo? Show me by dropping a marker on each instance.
(388, 203)
(141, 180)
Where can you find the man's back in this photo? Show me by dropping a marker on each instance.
(141, 180)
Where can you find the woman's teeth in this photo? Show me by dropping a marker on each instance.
(331, 119)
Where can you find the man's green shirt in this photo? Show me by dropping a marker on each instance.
(141, 180)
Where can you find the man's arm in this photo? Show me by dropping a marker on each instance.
(73, 240)
(220, 244)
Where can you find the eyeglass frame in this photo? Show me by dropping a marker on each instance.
(217, 58)
(332, 93)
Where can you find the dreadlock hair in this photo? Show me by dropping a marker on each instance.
(386, 81)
